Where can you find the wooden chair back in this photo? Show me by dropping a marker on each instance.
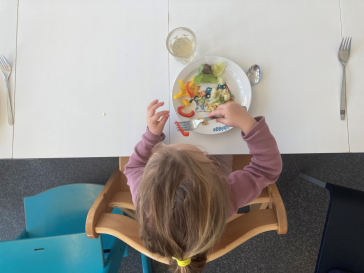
(269, 215)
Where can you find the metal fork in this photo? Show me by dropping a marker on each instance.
(344, 54)
(194, 123)
(6, 69)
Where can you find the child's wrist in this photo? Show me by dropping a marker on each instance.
(247, 125)
(152, 131)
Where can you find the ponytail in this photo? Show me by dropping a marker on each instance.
(194, 265)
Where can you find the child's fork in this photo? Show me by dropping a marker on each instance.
(194, 123)
(6, 69)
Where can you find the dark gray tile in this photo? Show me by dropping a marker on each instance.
(132, 263)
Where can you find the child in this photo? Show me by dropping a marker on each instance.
(183, 197)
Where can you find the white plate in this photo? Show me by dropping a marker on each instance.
(236, 80)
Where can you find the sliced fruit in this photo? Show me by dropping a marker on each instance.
(218, 68)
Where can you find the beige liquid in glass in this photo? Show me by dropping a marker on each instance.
(182, 46)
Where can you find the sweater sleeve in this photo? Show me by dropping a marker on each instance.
(135, 167)
(265, 168)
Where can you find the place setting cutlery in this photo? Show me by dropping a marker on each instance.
(193, 124)
(6, 70)
(344, 54)
(254, 74)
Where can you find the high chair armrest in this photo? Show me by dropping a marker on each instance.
(262, 198)
(278, 207)
(101, 204)
(127, 230)
(241, 229)
(122, 199)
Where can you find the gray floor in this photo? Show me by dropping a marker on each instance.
(295, 252)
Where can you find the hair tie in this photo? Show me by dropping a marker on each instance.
(182, 263)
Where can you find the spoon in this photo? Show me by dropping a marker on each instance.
(253, 74)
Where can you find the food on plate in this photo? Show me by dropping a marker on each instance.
(210, 98)
(180, 95)
(209, 74)
(182, 92)
(205, 100)
(205, 68)
(213, 93)
(205, 78)
(218, 96)
(204, 123)
(192, 88)
(186, 102)
(220, 80)
(181, 130)
(218, 68)
(182, 85)
(183, 114)
(226, 95)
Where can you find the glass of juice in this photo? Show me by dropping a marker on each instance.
(181, 43)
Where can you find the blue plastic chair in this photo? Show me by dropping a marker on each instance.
(54, 239)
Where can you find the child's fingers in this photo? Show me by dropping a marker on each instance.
(151, 104)
(154, 107)
(217, 112)
(163, 121)
(157, 116)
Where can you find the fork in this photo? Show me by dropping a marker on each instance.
(6, 69)
(344, 54)
(194, 123)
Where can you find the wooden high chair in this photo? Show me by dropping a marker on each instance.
(267, 213)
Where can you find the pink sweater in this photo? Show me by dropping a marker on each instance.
(246, 185)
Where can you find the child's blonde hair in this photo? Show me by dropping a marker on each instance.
(182, 206)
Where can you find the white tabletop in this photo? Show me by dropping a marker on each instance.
(86, 71)
(296, 48)
(8, 20)
(353, 25)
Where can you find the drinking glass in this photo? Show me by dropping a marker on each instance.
(181, 44)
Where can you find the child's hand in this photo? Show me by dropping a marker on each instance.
(155, 125)
(235, 115)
